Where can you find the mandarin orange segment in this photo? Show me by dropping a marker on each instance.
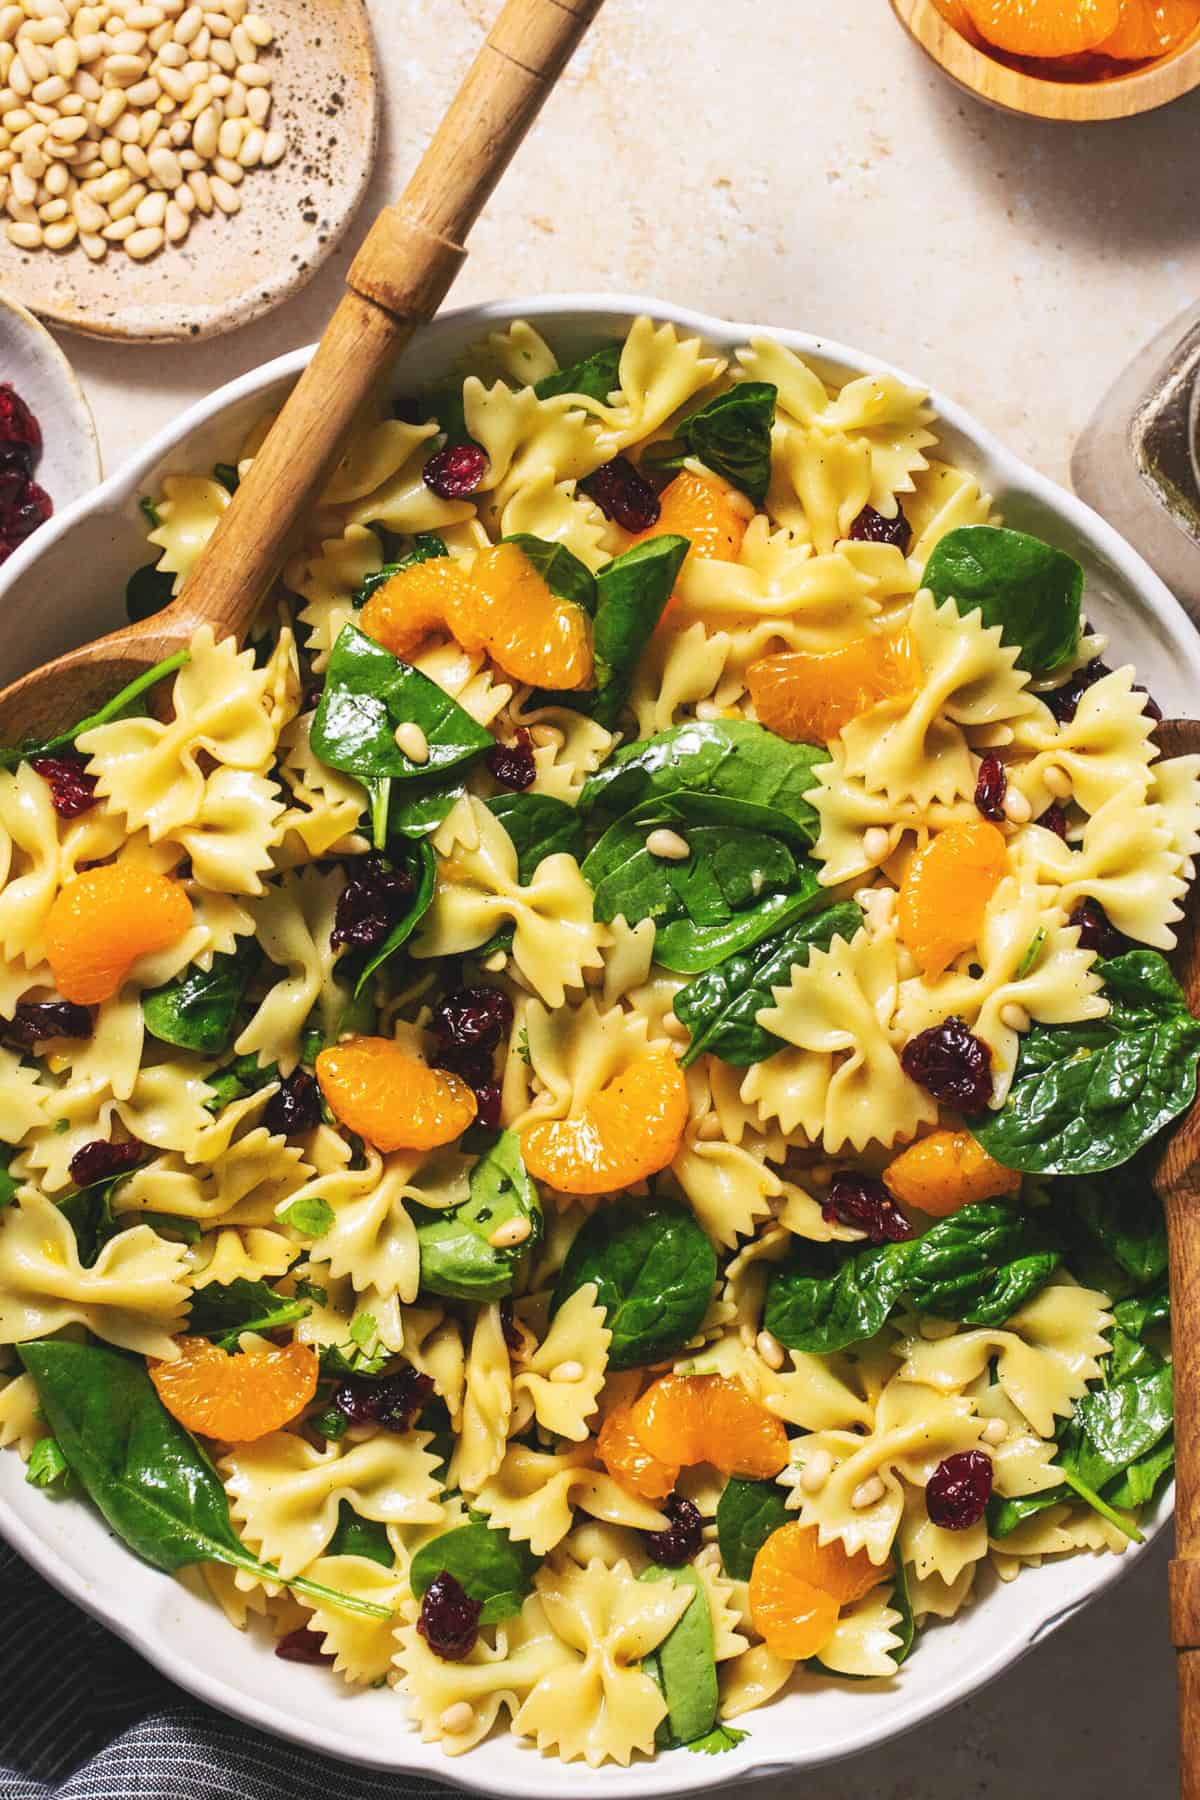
(418, 600)
(237, 1398)
(103, 920)
(1150, 28)
(795, 1619)
(703, 510)
(530, 631)
(1044, 27)
(631, 1129)
(629, 1462)
(806, 695)
(945, 892)
(391, 1099)
(709, 1418)
(796, 1551)
(948, 1170)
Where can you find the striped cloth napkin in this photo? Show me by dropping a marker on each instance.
(82, 1717)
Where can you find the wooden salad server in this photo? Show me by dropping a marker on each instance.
(396, 282)
(1177, 1182)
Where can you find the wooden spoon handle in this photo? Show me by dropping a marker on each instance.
(398, 279)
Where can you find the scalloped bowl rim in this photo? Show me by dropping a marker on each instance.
(824, 1721)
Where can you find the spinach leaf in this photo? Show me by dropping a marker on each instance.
(1087, 1097)
(356, 1536)
(140, 1468)
(976, 1267)
(717, 1741)
(683, 1664)
(485, 1562)
(1029, 588)
(227, 475)
(654, 1271)
(88, 1211)
(238, 1078)
(420, 806)
(457, 1256)
(147, 591)
(539, 826)
(732, 436)
(719, 1007)
(631, 592)
(122, 705)
(747, 1513)
(1123, 1214)
(1144, 1313)
(559, 568)
(222, 1310)
(1140, 1482)
(47, 1466)
(8, 1183)
(311, 1217)
(149, 512)
(901, 1602)
(733, 759)
(425, 546)
(594, 375)
(198, 1010)
(446, 406)
(368, 692)
(419, 904)
(736, 887)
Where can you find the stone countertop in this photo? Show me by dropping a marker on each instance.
(804, 165)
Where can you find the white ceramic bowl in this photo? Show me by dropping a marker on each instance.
(33, 364)
(69, 584)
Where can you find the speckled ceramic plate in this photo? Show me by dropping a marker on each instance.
(70, 582)
(230, 270)
(33, 364)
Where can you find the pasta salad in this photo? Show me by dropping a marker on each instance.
(574, 1118)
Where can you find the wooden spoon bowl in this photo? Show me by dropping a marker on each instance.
(1146, 86)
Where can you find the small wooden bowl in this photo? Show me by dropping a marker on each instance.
(1083, 102)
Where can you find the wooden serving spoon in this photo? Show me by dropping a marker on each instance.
(398, 280)
(1177, 1182)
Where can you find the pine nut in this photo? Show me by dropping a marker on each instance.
(867, 1493)
(128, 202)
(178, 221)
(1016, 808)
(187, 26)
(164, 166)
(258, 30)
(10, 18)
(183, 198)
(1057, 781)
(250, 154)
(111, 151)
(24, 187)
(219, 84)
(66, 57)
(144, 243)
(57, 180)
(994, 1432)
(21, 211)
(89, 216)
(770, 1349)
(876, 843)
(152, 210)
(110, 106)
(201, 187)
(50, 91)
(218, 24)
(457, 1719)
(51, 211)
(567, 1371)
(19, 78)
(201, 41)
(258, 105)
(410, 739)
(69, 131)
(172, 56)
(94, 245)
(224, 55)
(668, 845)
(188, 160)
(243, 44)
(816, 1471)
(235, 100)
(112, 185)
(25, 237)
(144, 93)
(119, 230)
(232, 172)
(36, 61)
(129, 43)
(514, 1231)
(229, 138)
(123, 71)
(134, 158)
(205, 134)
(61, 235)
(1014, 1017)
(252, 76)
(86, 86)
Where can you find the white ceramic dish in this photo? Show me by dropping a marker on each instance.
(187, 1638)
(33, 364)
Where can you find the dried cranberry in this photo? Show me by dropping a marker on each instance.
(950, 1063)
(1063, 701)
(1150, 705)
(101, 1161)
(475, 1018)
(449, 1618)
(623, 495)
(957, 1493)
(391, 1401)
(72, 789)
(991, 787)
(455, 472)
(296, 1107)
(864, 1202)
(1096, 930)
(1053, 819)
(20, 433)
(371, 902)
(871, 527)
(513, 764)
(35, 1022)
(683, 1536)
(302, 1646)
(487, 1105)
(475, 1068)
(514, 1337)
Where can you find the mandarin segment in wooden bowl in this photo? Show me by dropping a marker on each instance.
(233, 268)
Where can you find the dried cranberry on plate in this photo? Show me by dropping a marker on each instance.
(72, 789)
(302, 1646)
(512, 764)
(296, 1107)
(623, 495)
(102, 1161)
(1053, 819)
(991, 787)
(36, 1022)
(950, 1063)
(957, 1493)
(473, 1018)
(449, 1618)
(863, 1202)
(1096, 930)
(371, 902)
(390, 1401)
(871, 527)
(455, 472)
(682, 1537)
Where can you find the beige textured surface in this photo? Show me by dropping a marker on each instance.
(802, 164)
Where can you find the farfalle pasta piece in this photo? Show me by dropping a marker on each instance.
(24, 1099)
(728, 1186)
(376, 450)
(491, 1677)
(533, 1494)
(405, 503)
(751, 1679)
(467, 676)
(487, 1405)
(571, 1052)
(847, 810)
(189, 510)
(839, 1080)
(659, 372)
(527, 440)
(293, 921)
(326, 578)
(558, 512)
(916, 748)
(943, 499)
(324, 806)
(563, 1377)
(134, 1295)
(149, 773)
(864, 1638)
(678, 672)
(599, 1705)
(231, 835)
(1106, 749)
(1127, 859)
(243, 1186)
(252, 1253)
(285, 1495)
(21, 1421)
(555, 936)
(372, 1239)
(362, 1647)
(1175, 788)
(913, 1431)
(567, 745)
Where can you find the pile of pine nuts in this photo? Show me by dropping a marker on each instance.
(121, 120)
